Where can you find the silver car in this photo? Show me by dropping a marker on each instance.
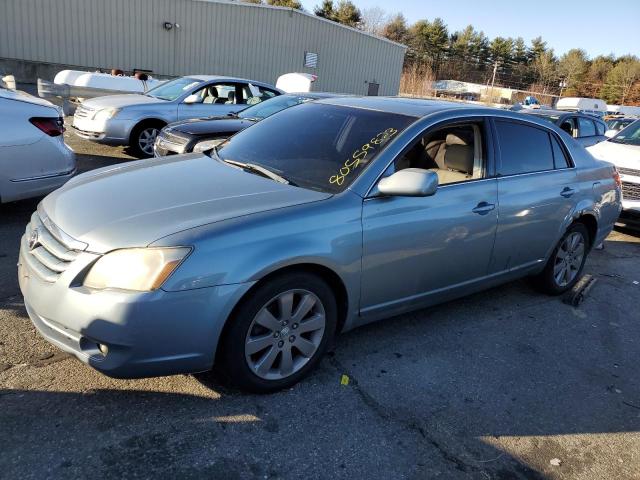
(136, 119)
(251, 260)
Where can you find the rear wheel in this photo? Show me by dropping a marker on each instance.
(279, 333)
(565, 265)
(143, 137)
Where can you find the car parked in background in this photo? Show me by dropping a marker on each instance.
(614, 125)
(201, 135)
(586, 129)
(136, 119)
(623, 150)
(34, 160)
(321, 218)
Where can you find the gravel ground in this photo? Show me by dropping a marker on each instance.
(503, 384)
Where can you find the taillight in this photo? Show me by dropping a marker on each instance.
(52, 126)
(616, 177)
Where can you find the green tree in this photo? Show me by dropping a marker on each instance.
(429, 42)
(345, 12)
(621, 79)
(572, 68)
(396, 29)
(325, 10)
(286, 3)
(538, 47)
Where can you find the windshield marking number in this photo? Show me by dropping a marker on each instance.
(360, 154)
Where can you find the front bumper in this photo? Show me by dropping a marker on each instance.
(147, 334)
(114, 131)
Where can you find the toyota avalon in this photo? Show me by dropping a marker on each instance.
(251, 260)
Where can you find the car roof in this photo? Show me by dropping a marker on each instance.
(558, 113)
(315, 95)
(209, 78)
(415, 107)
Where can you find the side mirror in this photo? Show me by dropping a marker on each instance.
(410, 182)
(193, 98)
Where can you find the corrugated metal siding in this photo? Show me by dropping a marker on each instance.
(214, 38)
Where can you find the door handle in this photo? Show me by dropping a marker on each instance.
(483, 208)
(567, 192)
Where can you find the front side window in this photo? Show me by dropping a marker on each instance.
(219, 93)
(600, 128)
(318, 146)
(173, 89)
(586, 128)
(455, 153)
(523, 148)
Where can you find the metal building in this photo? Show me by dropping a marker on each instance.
(181, 37)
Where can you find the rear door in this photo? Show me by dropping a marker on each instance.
(537, 188)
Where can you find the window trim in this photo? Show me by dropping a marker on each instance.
(548, 131)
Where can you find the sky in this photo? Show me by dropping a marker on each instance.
(596, 26)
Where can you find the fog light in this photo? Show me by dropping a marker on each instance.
(103, 349)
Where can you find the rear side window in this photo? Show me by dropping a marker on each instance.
(559, 157)
(586, 128)
(523, 149)
(600, 128)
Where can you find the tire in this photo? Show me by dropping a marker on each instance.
(551, 280)
(142, 138)
(265, 349)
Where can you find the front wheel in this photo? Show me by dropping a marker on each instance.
(279, 333)
(143, 138)
(565, 265)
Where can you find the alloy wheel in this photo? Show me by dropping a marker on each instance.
(147, 138)
(285, 334)
(569, 259)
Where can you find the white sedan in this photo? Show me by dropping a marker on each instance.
(34, 160)
(623, 150)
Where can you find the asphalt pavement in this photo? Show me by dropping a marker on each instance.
(504, 384)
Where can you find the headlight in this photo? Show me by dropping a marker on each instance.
(207, 145)
(139, 269)
(105, 113)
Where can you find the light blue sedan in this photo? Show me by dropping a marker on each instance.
(320, 218)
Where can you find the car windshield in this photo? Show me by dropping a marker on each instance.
(318, 146)
(174, 88)
(629, 135)
(274, 105)
(618, 124)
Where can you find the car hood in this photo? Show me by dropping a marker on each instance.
(211, 125)
(621, 155)
(138, 203)
(119, 101)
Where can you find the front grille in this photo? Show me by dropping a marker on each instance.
(83, 112)
(630, 191)
(629, 171)
(45, 251)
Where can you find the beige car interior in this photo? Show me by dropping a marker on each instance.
(212, 95)
(454, 153)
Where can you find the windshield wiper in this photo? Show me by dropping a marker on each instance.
(259, 169)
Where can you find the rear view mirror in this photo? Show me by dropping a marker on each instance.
(410, 182)
(193, 98)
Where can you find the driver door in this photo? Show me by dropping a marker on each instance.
(419, 250)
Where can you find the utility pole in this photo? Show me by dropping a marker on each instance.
(493, 78)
